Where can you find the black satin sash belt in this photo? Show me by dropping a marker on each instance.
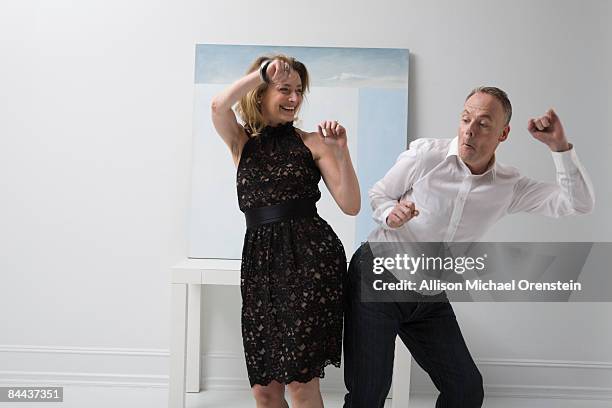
(280, 212)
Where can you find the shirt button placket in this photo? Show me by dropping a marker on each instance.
(458, 209)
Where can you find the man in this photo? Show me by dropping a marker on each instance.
(443, 190)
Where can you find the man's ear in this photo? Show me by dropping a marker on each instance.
(504, 135)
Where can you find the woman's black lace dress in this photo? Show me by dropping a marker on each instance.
(292, 270)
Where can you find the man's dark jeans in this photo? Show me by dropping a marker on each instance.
(429, 330)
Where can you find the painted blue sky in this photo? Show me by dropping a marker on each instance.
(328, 66)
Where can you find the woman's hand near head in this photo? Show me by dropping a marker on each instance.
(277, 71)
(224, 118)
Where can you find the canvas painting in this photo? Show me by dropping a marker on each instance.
(364, 89)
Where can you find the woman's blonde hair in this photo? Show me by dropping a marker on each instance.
(249, 107)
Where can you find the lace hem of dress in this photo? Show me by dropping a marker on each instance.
(301, 378)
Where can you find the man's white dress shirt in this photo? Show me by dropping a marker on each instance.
(456, 205)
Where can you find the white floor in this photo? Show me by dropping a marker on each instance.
(116, 397)
(243, 400)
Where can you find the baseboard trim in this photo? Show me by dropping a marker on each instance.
(118, 361)
(87, 379)
(542, 392)
(515, 362)
(492, 390)
(548, 392)
(84, 350)
(29, 377)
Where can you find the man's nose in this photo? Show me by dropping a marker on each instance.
(470, 128)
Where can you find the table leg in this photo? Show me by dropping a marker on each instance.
(401, 375)
(194, 305)
(178, 336)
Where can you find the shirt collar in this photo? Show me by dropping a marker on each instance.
(453, 150)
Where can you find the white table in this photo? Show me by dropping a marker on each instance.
(186, 280)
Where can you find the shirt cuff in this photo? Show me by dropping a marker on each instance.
(567, 161)
(383, 216)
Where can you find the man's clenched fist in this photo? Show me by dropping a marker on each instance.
(402, 212)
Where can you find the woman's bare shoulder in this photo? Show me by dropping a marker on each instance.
(312, 141)
(310, 137)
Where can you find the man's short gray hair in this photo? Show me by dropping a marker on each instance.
(500, 95)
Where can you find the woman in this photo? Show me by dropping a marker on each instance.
(293, 264)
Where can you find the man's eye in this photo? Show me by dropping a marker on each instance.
(484, 124)
(465, 120)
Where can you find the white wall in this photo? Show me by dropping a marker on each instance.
(95, 127)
